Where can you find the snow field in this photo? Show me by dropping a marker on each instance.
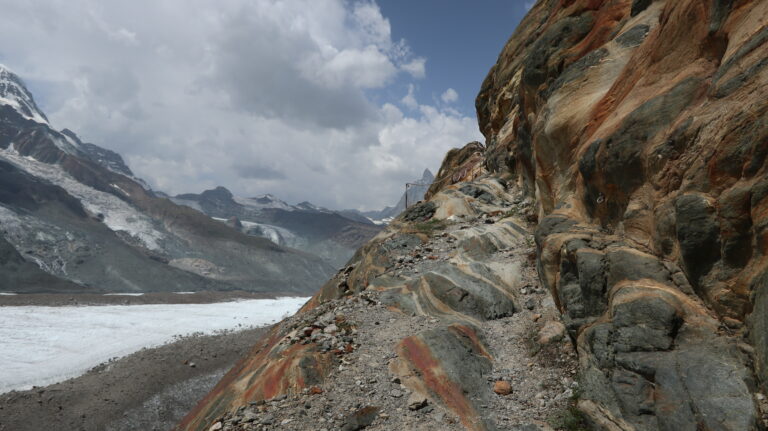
(44, 345)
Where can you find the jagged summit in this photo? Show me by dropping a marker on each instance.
(14, 93)
(427, 176)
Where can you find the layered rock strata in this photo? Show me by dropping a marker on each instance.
(640, 128)
(638, 133)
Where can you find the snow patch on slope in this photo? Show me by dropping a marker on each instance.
(44, 345)
(276, 234)
(263, 202)
(118, 215)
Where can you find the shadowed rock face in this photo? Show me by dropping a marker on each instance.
(639, 130)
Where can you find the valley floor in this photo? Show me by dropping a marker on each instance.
(148, 390)
(62, 299)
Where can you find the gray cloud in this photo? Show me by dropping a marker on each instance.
(256, 64)
(260, 96)
(258, 172)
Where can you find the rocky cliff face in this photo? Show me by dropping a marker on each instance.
(641, 130)
(74, 218)
(635, 135)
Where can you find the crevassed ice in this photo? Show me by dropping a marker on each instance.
(118, 215)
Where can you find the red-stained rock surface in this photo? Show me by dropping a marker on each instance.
(640, 128)
(638, 132)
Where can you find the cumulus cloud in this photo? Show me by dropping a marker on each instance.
(409, 100)
(261, 96)
(416, 67)
(449, 96)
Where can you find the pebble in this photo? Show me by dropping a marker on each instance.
(417, 402)
(396, 393)
(502, 387)
(551, 332)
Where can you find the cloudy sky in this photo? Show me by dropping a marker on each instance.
(338, 102)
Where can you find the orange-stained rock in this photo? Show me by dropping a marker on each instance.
(638, 131)
(640, 128)
(551, 332)
(502, 387)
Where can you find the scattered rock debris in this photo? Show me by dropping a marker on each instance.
(527, 386)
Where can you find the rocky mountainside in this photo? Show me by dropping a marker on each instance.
(331, 235)
(413, 194)
(74, 218)
(633, 136)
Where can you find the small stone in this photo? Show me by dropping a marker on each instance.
(250, 416)
(216, 427)
(502, 387)
(536, 317)
(530, 303)
(416, 401)
(551, 332)
(192, 364)
(396, 393)
(360, 419)
(315, 390)
(331, 329)
(759, 396)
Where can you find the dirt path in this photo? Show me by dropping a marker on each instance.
(148, 390)
(364, 389)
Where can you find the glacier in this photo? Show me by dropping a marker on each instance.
(43, 345)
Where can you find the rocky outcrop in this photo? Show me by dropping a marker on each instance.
(640, 128)
(460, 164)
(415, 191)
(635, 134)
(450, 304)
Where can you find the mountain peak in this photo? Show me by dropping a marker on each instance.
(14, 93)
(427, 176)
(218, 193)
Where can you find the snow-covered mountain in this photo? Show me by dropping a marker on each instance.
(333, 236)
(74, 218)
(14, 93)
